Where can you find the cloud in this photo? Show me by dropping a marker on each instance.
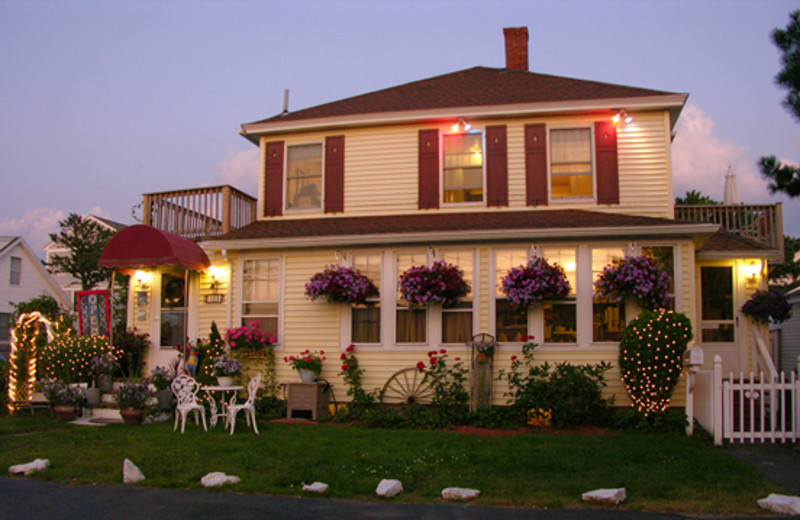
(700, 160)
(34, 226)
(240, 170)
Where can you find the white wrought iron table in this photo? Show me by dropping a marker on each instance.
(212, 402)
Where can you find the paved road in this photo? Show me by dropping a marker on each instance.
(24, 499)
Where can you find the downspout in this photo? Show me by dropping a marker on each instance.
(229, 316)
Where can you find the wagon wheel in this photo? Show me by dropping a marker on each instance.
(408, 386)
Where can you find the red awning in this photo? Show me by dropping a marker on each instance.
(141, 246)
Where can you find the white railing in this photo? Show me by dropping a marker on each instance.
(762, 359)
(755, 409)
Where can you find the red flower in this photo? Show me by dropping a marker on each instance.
(531, 337)
(433, 360)
(420, 366)
(350, 348)
(458, 359)
(345, 368)
(513, 358)
(343, 356)
(443, 351)
(321, 352)
(286, 359)
(431, 353)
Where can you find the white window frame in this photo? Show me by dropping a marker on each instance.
(438, 318)
(321, 207)
(240, 294)
(442, 137)
(15, 275)
(550, 175)
(493, 292)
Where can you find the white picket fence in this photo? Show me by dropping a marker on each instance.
(758, 408)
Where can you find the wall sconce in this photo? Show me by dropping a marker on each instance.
(621, 116)
(217, 275)
(142, 280)
(751, 271)
(460, 126)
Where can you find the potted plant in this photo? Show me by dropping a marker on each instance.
(66, 399)
(340, 284)
(638, 277)
(764, 306)
(161, 378)
(439, 284)
(249, 338)
(225, 369)
(529, 284)
(308, 364)
(133, 398)
(103, 368)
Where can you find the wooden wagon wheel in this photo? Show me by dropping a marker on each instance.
(408, 386)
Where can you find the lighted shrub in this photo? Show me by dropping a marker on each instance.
(651, 358)
(69, 358)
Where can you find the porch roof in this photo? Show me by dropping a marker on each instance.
(724, 244)
(141, 246)
(452, 227)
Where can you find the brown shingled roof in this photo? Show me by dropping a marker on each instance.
(724, 241)
(442, 222)
(478, 86)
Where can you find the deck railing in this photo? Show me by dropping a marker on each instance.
(761, 223)
(199, 212)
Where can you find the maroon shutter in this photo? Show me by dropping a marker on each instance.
(273, 179)
(536, 192)
(605, 144)
(334, 174)
(428, 169)
(496, 166)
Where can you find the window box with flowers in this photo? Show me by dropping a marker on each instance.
(250, 339)
(766, 306)
(637, 277)
(439, 284)
(338, 284)
(308, 364)
(527, 285)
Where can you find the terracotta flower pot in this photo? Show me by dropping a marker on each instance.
(66, 412)
(132, 415)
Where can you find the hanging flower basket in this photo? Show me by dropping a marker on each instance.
(638, 277)
(340, 284)
(528, 285)
(439, 284)
(764, 306)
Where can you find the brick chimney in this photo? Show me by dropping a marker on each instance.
(516, 48)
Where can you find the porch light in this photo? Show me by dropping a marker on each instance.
(217, 275)
(752, 270)
(621, 116)
(142, 279)
(461, 126)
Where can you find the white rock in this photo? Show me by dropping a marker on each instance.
(30, 467)
(789, 505)
(616, 495)
(316, 487)
(130, 473)
(454, 493)
(389, 488)
(218, 478)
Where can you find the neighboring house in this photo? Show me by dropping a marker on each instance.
(22, 277)
(68, 283)
(483, 168)
(788, 336)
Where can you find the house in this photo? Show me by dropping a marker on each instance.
(482, 168)
(68, 283)
(787, 347)
(22, 277)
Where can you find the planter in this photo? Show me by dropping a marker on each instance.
(66, 412)
(132, 415)
(307, 376)
(105, 383)
(93, 395)
(165, 399)
(225, 380)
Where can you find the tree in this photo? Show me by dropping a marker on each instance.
(695, 198)
(786, 275)
(85, 239)
(786, 178)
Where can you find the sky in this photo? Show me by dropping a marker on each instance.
(103, 101)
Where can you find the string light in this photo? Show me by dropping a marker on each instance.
(22, 373)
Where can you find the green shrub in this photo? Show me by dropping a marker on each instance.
(360, 400)
(269, 407)
(651, 358)
(573, 393)
(69, 358)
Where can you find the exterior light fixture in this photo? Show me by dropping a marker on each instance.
(217, 275)
(142, 279)
(621, 116)
(751, 271)
(460, 126)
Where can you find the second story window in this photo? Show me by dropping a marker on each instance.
(15, 276)
(571, 163)
(304, 177)
(462, 177)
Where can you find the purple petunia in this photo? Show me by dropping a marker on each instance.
(341, 285)
(527, 285)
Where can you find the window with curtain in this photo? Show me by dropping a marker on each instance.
(511, 324)
(366, 319)
(717, 320)
(664, 257)
(260, 293)
(571, 163)
(304, 176)
(560, 318)
(457, 318)
(410, 324)
(608, 315)
(463, 168)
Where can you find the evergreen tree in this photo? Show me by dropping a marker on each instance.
(85, 239)
(210, 352)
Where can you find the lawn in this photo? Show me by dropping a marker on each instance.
(660, 472)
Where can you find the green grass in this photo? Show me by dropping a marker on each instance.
(660, 473)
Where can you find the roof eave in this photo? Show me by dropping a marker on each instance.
(672, 102)
(769, 255)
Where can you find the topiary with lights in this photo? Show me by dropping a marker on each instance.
(651, 358)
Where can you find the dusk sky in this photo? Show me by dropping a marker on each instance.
(103, 101)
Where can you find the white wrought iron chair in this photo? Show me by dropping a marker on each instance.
(248, 406)
(185, 388)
